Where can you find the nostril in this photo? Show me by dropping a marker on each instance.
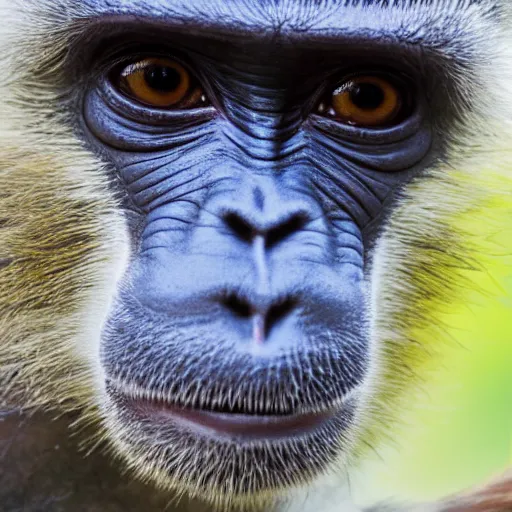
(238, 306)
(266, 317)
(279, 312)
(239, 226)
(284, 230)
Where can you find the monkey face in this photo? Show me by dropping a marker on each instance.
(288, 217)
(239, 337)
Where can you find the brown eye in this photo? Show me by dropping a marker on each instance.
(368, 101)
(161, 82)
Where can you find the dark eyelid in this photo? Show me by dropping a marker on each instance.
(395, 76)
(121, 62)
(124, 56)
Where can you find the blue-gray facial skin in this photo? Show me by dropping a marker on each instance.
(253, 208)
(257, 148)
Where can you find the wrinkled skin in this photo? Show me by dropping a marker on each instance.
(252, 208)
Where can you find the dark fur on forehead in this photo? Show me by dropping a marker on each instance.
(456, 30)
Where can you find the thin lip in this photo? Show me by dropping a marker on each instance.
(244, 427)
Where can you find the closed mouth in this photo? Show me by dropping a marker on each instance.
(236, 425)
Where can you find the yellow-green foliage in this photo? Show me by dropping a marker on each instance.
(457, 428)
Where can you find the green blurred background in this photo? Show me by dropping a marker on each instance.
(458, 431)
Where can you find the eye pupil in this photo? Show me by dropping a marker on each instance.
(366, 96)
(162, 78)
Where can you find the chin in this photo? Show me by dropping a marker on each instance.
(225, 458)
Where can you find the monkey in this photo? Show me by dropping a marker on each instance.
(224, 227)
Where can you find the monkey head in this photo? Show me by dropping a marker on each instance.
(228, 222)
